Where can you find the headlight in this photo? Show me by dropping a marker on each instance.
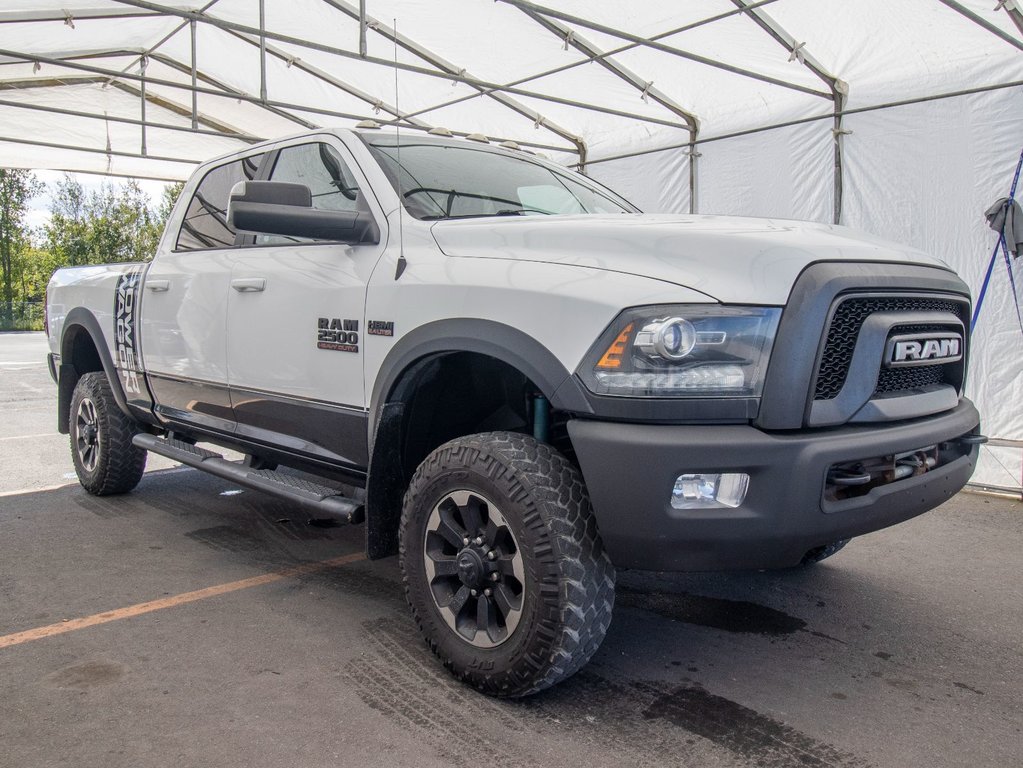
(700, 350)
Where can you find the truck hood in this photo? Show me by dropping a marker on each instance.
(730, 259)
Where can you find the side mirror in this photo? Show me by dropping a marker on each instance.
(281, 208)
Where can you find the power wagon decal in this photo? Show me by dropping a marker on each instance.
(126, 305)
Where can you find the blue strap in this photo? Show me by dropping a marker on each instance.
(1005, 253)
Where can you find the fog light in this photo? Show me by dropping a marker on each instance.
(706, 491)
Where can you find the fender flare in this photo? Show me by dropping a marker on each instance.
(385, 484)
(69, 375)
(486, 337)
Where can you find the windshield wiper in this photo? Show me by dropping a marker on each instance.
(503, 212)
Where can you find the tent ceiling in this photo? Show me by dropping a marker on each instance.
(150, 88)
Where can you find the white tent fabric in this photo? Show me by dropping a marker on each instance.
(900, 118)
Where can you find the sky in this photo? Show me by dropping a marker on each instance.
(39, 208)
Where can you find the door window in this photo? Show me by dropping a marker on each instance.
(319, 167)
(205, 223)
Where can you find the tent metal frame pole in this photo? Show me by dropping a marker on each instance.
(96, 150)
(363, 50)
(591, 51)
(129, 120)
(275, 106)
(80, 14)
(654, 45)
(645, 87)
(170, 61)
(448, 69)
(1016, 15)
(481, 86)
(142, 102)
(982, 22)
(280, 108)
(814, 119)
(606, 54)
(214, 127)
(319, 74)
(262, 49)
(195, 96)
(839, 92)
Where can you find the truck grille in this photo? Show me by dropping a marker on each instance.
(845, 328)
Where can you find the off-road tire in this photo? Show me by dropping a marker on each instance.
(817, 554)
(568, 594)
(118, 465)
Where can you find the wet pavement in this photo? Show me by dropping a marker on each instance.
(903, 650)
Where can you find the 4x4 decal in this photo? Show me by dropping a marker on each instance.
(337, 334)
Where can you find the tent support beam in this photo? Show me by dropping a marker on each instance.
(657, 46)
(324, 77)
(591, 51)
(274, 106)
(142, 102)
(816, 118)
(213, 127)
(363, 50)
(606, 54)
(195, 96)
(839, 91)
(127, 120)
(1016, 15)
(262, 49)
(97, 151)
(481, 86)
(450, 69)
(80, 14)
(228, 91)
(982, 22)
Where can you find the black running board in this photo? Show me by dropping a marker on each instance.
(311, 495)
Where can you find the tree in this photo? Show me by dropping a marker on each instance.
(108, 225)
(17, 187)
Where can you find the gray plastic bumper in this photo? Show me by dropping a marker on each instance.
(630, 470)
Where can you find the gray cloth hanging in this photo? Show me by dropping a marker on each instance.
(1006, 217)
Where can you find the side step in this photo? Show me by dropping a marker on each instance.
(311, 495)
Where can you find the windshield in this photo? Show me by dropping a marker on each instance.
(454, 181)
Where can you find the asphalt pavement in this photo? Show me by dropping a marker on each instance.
(193, 623)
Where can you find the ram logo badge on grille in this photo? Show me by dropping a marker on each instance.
(923, 349)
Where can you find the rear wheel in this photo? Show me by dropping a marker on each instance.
(105, 460)
(504, 568)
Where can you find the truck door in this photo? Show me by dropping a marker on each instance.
(184, 303)
(295, 314)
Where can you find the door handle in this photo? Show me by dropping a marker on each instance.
(157, 286)
(249, 284)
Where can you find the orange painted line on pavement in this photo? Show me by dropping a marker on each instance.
(169, 602)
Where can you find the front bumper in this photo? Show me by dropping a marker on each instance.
(630, 470)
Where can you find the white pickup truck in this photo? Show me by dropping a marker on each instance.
(527, 382)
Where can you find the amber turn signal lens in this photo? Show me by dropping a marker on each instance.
(612, 359)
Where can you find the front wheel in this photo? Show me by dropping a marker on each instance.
(504, 568)
(105, 460)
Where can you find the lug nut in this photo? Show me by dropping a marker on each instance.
(487, 592)
(465, 541)
(491, 555)
(479, 540)
(473, 592)
(495, 576)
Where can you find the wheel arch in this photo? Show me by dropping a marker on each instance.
(413, 360)
(82, 350)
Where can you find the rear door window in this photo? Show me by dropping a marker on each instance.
(205, 224)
